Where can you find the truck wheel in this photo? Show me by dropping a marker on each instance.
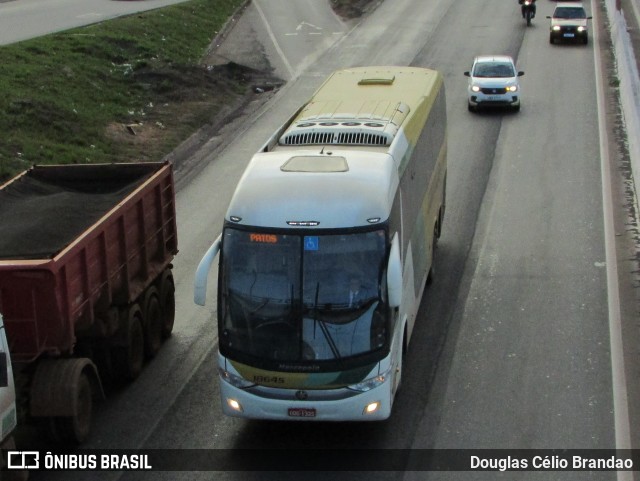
(75, 429)
(168, 303)
(128, 358)
(153, 323)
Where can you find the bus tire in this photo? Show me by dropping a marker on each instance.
(153, 322)
(403, 354)
(434, 243)
(440, 219)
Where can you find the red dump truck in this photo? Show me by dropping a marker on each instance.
(86, 289)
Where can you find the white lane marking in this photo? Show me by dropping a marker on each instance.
(273, 39)
(302, 24)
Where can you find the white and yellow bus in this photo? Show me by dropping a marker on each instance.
(327, 247)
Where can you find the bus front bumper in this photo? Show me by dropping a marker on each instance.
(373, 405)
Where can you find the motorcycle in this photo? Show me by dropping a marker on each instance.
(528, 10)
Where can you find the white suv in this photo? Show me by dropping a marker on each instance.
(493, 81)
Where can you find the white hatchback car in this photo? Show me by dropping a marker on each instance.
(569, 22)
(493, 81)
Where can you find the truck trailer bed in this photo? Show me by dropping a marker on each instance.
(80, 246)
(43, 211)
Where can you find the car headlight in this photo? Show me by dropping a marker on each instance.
(512, 88)
(556, 28)
(234, 380)
(582, 29)
(475, 88)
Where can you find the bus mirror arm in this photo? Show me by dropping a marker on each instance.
(202, 272)
(394, 274)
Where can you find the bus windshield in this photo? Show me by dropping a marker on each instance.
(298, 298)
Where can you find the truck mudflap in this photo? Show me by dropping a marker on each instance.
(64, 390)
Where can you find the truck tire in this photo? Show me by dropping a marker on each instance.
(153, 323)
(62, 392)
(168, 303)
(128, 356)
(75, 429)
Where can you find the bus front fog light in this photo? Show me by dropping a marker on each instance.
(235, 405)
(371, 407)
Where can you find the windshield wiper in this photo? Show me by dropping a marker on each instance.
(260, 307)
(323, 327)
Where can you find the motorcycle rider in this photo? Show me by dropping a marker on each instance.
(532, 6)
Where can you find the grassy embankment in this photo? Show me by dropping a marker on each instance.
(69, 97)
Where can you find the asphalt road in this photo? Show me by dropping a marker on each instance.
(512, 347)
(283, 36)
(24, 19)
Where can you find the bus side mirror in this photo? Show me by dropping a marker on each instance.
(202, 273)
(394, 274)
(4, 372)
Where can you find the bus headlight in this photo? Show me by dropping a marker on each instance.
(369, 384)
(234, 380)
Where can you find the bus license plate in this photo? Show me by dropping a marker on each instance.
(569, 35)
(302, 412)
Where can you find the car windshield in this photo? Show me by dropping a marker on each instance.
(493, 69)
(570, 12)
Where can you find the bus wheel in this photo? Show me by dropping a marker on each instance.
(397, 382)
(128, 356)
(168, 303)
(398, 374)
(440, 220)
(153, 323)
(434, 244)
